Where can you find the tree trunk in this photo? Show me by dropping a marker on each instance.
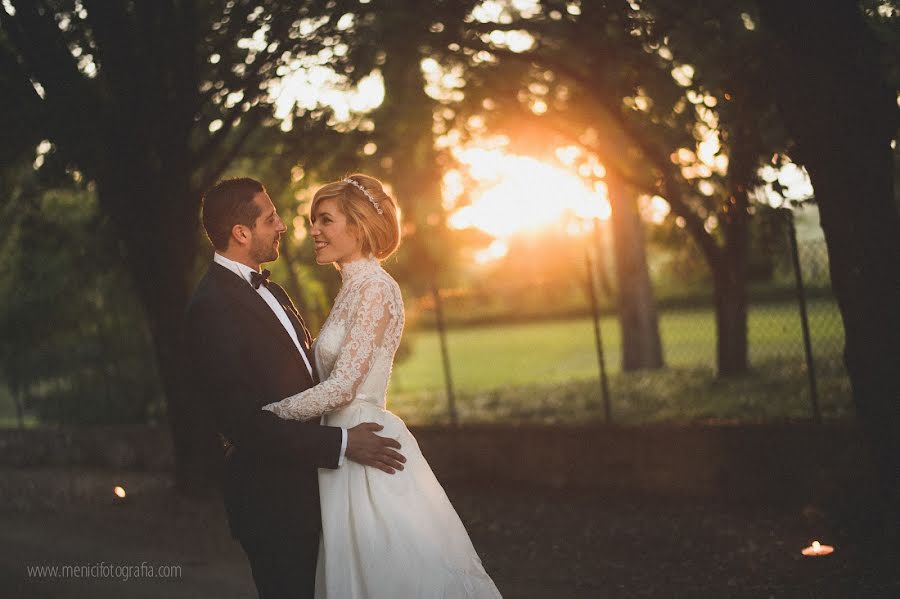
(730, 297)
(837, 106)
(730, 266)
(160, 267)
(641, 347)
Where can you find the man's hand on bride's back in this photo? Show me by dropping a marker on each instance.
(366, 448)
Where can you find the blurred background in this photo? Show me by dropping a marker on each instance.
(625, 213)
(512, 134)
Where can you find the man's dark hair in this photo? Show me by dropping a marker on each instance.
(229, 203)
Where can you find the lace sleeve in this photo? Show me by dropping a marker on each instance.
(375, 328)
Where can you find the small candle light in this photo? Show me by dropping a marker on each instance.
(119, 495)
(818, 549)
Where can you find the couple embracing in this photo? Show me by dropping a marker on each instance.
(326, 491)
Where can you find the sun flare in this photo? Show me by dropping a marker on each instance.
(520, 194)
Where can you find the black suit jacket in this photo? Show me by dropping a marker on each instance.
(240, 358)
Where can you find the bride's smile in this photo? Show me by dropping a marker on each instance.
(333, 235)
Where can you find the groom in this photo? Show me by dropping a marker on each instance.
(247, 347)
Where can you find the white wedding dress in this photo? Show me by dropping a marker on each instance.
(384, 536)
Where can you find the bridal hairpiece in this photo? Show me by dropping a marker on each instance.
(365, 191)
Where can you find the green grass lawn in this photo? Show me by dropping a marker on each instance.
(562, 351)
(547, 371)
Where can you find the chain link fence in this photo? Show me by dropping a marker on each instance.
(541, 364)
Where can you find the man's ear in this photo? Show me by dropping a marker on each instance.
(240, 234)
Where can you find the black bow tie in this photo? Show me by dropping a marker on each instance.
(257, 279)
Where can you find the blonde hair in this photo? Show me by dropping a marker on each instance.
(380, 232)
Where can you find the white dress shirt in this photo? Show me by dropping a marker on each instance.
(243, 271)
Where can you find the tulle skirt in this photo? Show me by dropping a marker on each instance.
(392, 536)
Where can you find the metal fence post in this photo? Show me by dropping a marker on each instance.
(445, 356)
(804, 319)
(598, 340)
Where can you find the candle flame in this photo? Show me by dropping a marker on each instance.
(120, 492)
(817, 548)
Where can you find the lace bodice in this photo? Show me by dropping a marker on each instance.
(355, 349)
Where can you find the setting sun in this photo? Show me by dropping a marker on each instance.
(520, 194)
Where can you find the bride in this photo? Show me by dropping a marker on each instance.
(384, 536)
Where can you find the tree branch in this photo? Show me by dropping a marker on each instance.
(242, 134)
(110, 27)
(40, 43)
(573, 137)
(657, 157)
(237, 18)
(529, 25)
(22, 111)
(250, 80)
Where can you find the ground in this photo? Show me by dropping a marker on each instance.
(535, 543)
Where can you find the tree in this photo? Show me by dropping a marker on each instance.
(402, 133)
(152, 101)
(603, 78)
(841, 112)
(721, 44)
(641, 346)
(74, 311)
(518, 92)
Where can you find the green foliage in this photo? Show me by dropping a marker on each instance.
(603, 76)
(73, 344)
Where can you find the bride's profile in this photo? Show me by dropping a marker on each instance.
(384, 536)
